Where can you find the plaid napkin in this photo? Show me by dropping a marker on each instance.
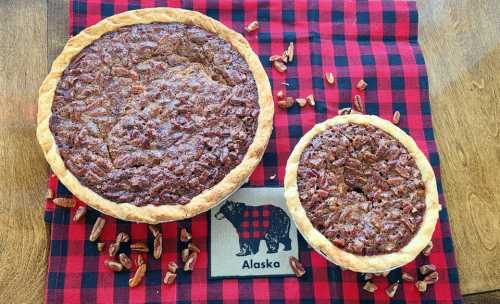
(371, 40)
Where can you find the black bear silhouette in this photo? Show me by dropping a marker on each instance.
(256, 223)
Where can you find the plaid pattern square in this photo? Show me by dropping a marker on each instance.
(254, 223)
(371, 40)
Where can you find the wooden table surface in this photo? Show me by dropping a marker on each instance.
(461, 45)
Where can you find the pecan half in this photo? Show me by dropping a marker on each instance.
(97, 229)
(426, 269)
(310, 100)
(370, 287)
(290, 52)
(169, 278)
(396, 117)
(140, 247)
(100, 246)
(125, 260)
(279, 66)
(191, 261)
(286, 103)
(368, 276)
(361, 85)
(431, 278)
(421, 286)
(427, 250)
(157, 246)
(185, 235)
(296, 266)
(254, 25)
(113, 265)
(64, 202)
(113, 248)
(329, 77)
(154, 229)
(344, 111)
(280, 95)
(185, 254)
(122, 237)
(407, 277)
(301, 101)
(138, 275)
(391, 289)
(358, 105)
(139, 260)
(49, 194)
(192, 247)
(79, 213)
(172, 266)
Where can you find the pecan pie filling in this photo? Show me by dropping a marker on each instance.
(155, 113)
(361, 189)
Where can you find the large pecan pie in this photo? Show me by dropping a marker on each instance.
(155, 115)
(362, 193)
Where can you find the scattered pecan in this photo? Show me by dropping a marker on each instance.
(284, 56)
(169, 278)
(192, 247)
(396, 117)
(329, 77)
(310, 100)
(139, 260)
(138, 275)
(431, 278)
(391, 289)
(427, 250)
(64, 202)
(361, 85)
(172, 266)
(296, 266)
(290, 52)
(100, 246)
(286, 103)
(141, 247)
(49, 194)
(370, 287)
(280, 95)
(125, 260)
(407, 277)
(276, 58)
(97, 229)
(185, 235)
(157, 246)
(426, 269)
(421, 286)
(301, 101)
(368, 276)
(79, 213)
(154, 229)
(358, 105)
(113, 248)
(279, 65)
(185, 254)
(122, 237)
(113, 265)
(252, 26)
(344, 111)
(191, 261)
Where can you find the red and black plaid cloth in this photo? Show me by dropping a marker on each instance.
(372, 40)
(255, 222)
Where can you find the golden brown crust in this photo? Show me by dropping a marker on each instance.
(376, 263)
(206, 199)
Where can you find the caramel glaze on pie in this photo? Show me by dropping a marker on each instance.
(154, 113)
(361, 189)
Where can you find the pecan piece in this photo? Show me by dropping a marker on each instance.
(280, 95)
(361, 85)
(190, 262)
(49, 194)
(100, 246)
(290, 52)
(427, 250)
(113, 248)
(122, 237)
(279, 66)
(370, 287)
(390, 291)
(139, 260)
(310, 100)
(97, 229)
(396, 117)
(431, 278)
(113, 265)
(140, 247)
(192, 247)
(157, 246)
(172, 266)
(358, 105)
(329, 77)
(286, 103)
(138, 275)
(64, 202)
(185, 254)
(254, 25)
(276, 58)
(80, 212)
(426, 269)
(368, 276)
(301, 101)
(169, 278)
(296, 266)
(344, 111)
(125, 260)
(185, 235)
(154, 229)
(421, 286)
(407, 277)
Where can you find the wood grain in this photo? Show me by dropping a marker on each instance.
(461, 47)
(460, 42)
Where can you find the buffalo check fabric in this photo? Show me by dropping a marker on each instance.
(255, 222)
(372, 40)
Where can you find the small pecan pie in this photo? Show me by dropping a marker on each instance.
(362, 193)
(155, 115)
